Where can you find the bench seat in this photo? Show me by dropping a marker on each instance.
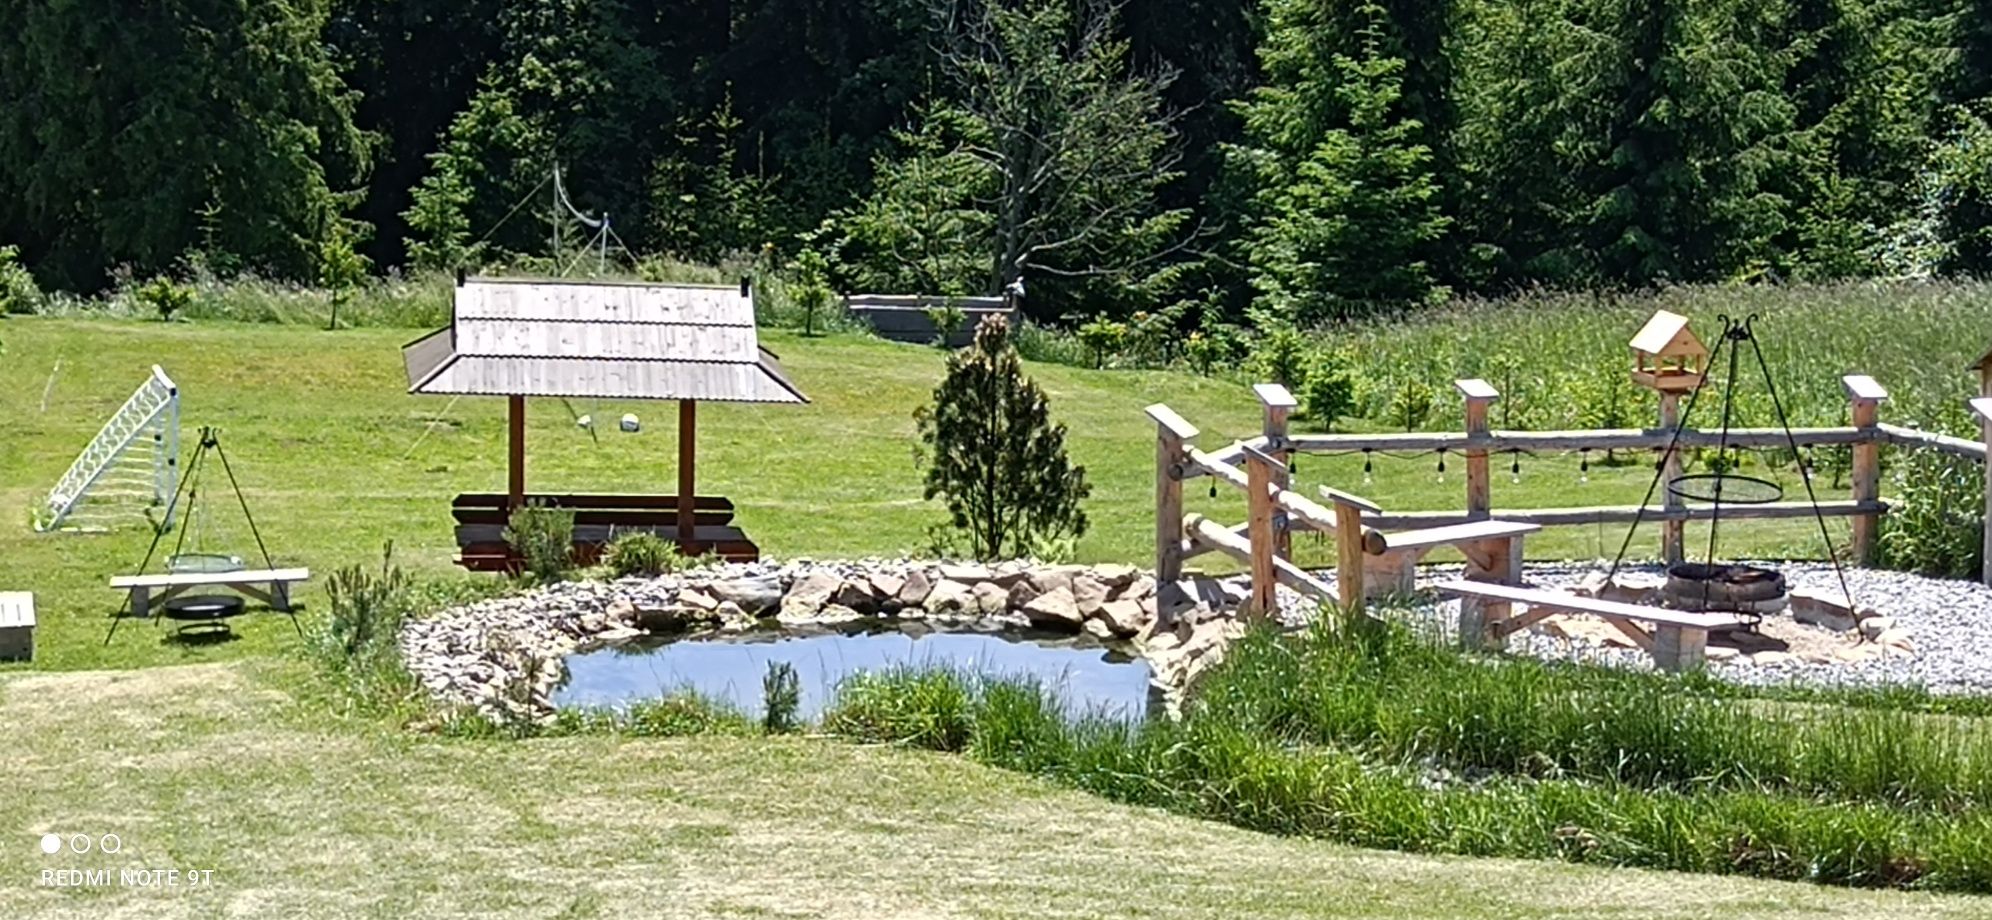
(271, 586)
(1390, 560)
(1677, 641)
(598, 519)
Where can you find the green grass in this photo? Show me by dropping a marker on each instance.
(218, 766)
(337, 459)
(1611, 777)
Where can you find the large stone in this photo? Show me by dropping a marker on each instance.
(754, 595)
(886, 585)
(619, 613)
(1022, 593)
(1089, 594)
(827, 615)
(1826, 608)
(1055, 608)
(990, 598)
(913, 593)
(951, 598)
(807, 596)
(1124, 616)
(668, 619)
(697, 599)
(734, 619)
(857, 594)
(1137, 588)
(1050, 578)
(1115, 575)
(1099, 629)
(1194, 599)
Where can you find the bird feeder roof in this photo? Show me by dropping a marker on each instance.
(1667, 334)
(606, 340)
(1983, 360)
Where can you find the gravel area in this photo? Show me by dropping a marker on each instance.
(1949, 625)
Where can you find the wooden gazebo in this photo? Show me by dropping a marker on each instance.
(520, 338)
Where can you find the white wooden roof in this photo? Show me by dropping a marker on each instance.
(609, 340)
(1663, 330)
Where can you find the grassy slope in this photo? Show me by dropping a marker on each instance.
(334, 458)
(214, 769)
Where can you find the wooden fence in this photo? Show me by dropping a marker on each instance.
(1259, 467)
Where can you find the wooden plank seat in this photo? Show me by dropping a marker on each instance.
(17, 626)
(598, 519)
(271, 586)
(1390, 561)
(1677, 641)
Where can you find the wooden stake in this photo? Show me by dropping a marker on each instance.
(1865, 397)
(688, 414)
(1479, 395)
(1171, 435)
(1279, 404)
(515, 453)
(1673, 533)
(1259, 530)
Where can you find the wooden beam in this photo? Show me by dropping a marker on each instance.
(1171, 433)
(1349, 557)
(1673, 532)
(515, 453)
(1209, 536)
(1604, 439)
(1259, 483)
(1171, 422)
(1623, 514)
(688, 436)
(1911, 437)
(1983, 407)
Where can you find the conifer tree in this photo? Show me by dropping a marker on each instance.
(993, 453)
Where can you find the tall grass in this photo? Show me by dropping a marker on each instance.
(1396, 746)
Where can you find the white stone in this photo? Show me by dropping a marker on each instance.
(1141, 586)
(753, 595)
(697, 599)
(1123, 616)
(951, 597)
(1828, 609)
(966, 573)
(990, 598)
(1114, 575)
(1089, 594)
(887, 584)
(1099, 628)
(857, 594)
(913, 592)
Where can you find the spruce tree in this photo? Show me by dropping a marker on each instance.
(993, 453)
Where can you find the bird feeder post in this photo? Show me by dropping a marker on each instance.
(1479, 395)
(1279, 404)
(1669, 359)
(1673, 530)
(1864, 399)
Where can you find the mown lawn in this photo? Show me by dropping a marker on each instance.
(337, 460)
(215, 766)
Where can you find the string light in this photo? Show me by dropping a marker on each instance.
(1442, 466)
(1515, 467)
(1367, 467)
(1584, 465)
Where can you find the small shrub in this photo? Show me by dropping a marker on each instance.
(1933, 522)
(165, 297)
(781, 698)
(947, 320)
(1281, 355)
(18, 291)
(640, 554)
(1103, 337)
(1329, 391)
(366, 609)
(811, 287)
(544, 536)
(1411, 404)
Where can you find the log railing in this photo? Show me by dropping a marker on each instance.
(1259, 466)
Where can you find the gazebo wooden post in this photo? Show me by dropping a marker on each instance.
(515, 454)
(688, 411)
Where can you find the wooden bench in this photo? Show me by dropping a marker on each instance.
(1677, 642)
(598, 518)
(271, 586)
(1390, 563)
(17, 626)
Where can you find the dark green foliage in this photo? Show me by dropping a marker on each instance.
(640, 553)
(164, 296)
(947, 320)
(994, 455)
(356, 643)
(18, 291)
(1934, 522)
(928, 709)
(1103, 337)
(1329, 393)
(1280, 355)
(781, 696)
(544, 537)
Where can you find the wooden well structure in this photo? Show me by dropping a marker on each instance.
(521, 338)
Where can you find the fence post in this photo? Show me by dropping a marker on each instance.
(1260, 474)
(1172, 436)
(1479, 395)
(1983, 407)
(1865, 397)
(1673, 530)
(1279, 403)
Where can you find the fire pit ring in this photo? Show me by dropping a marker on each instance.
(1726, 587)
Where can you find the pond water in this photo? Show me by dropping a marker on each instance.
(1088, 677)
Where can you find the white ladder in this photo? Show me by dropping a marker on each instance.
(150, 416)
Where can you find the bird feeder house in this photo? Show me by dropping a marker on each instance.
(1666, 356)
(1984, 368)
